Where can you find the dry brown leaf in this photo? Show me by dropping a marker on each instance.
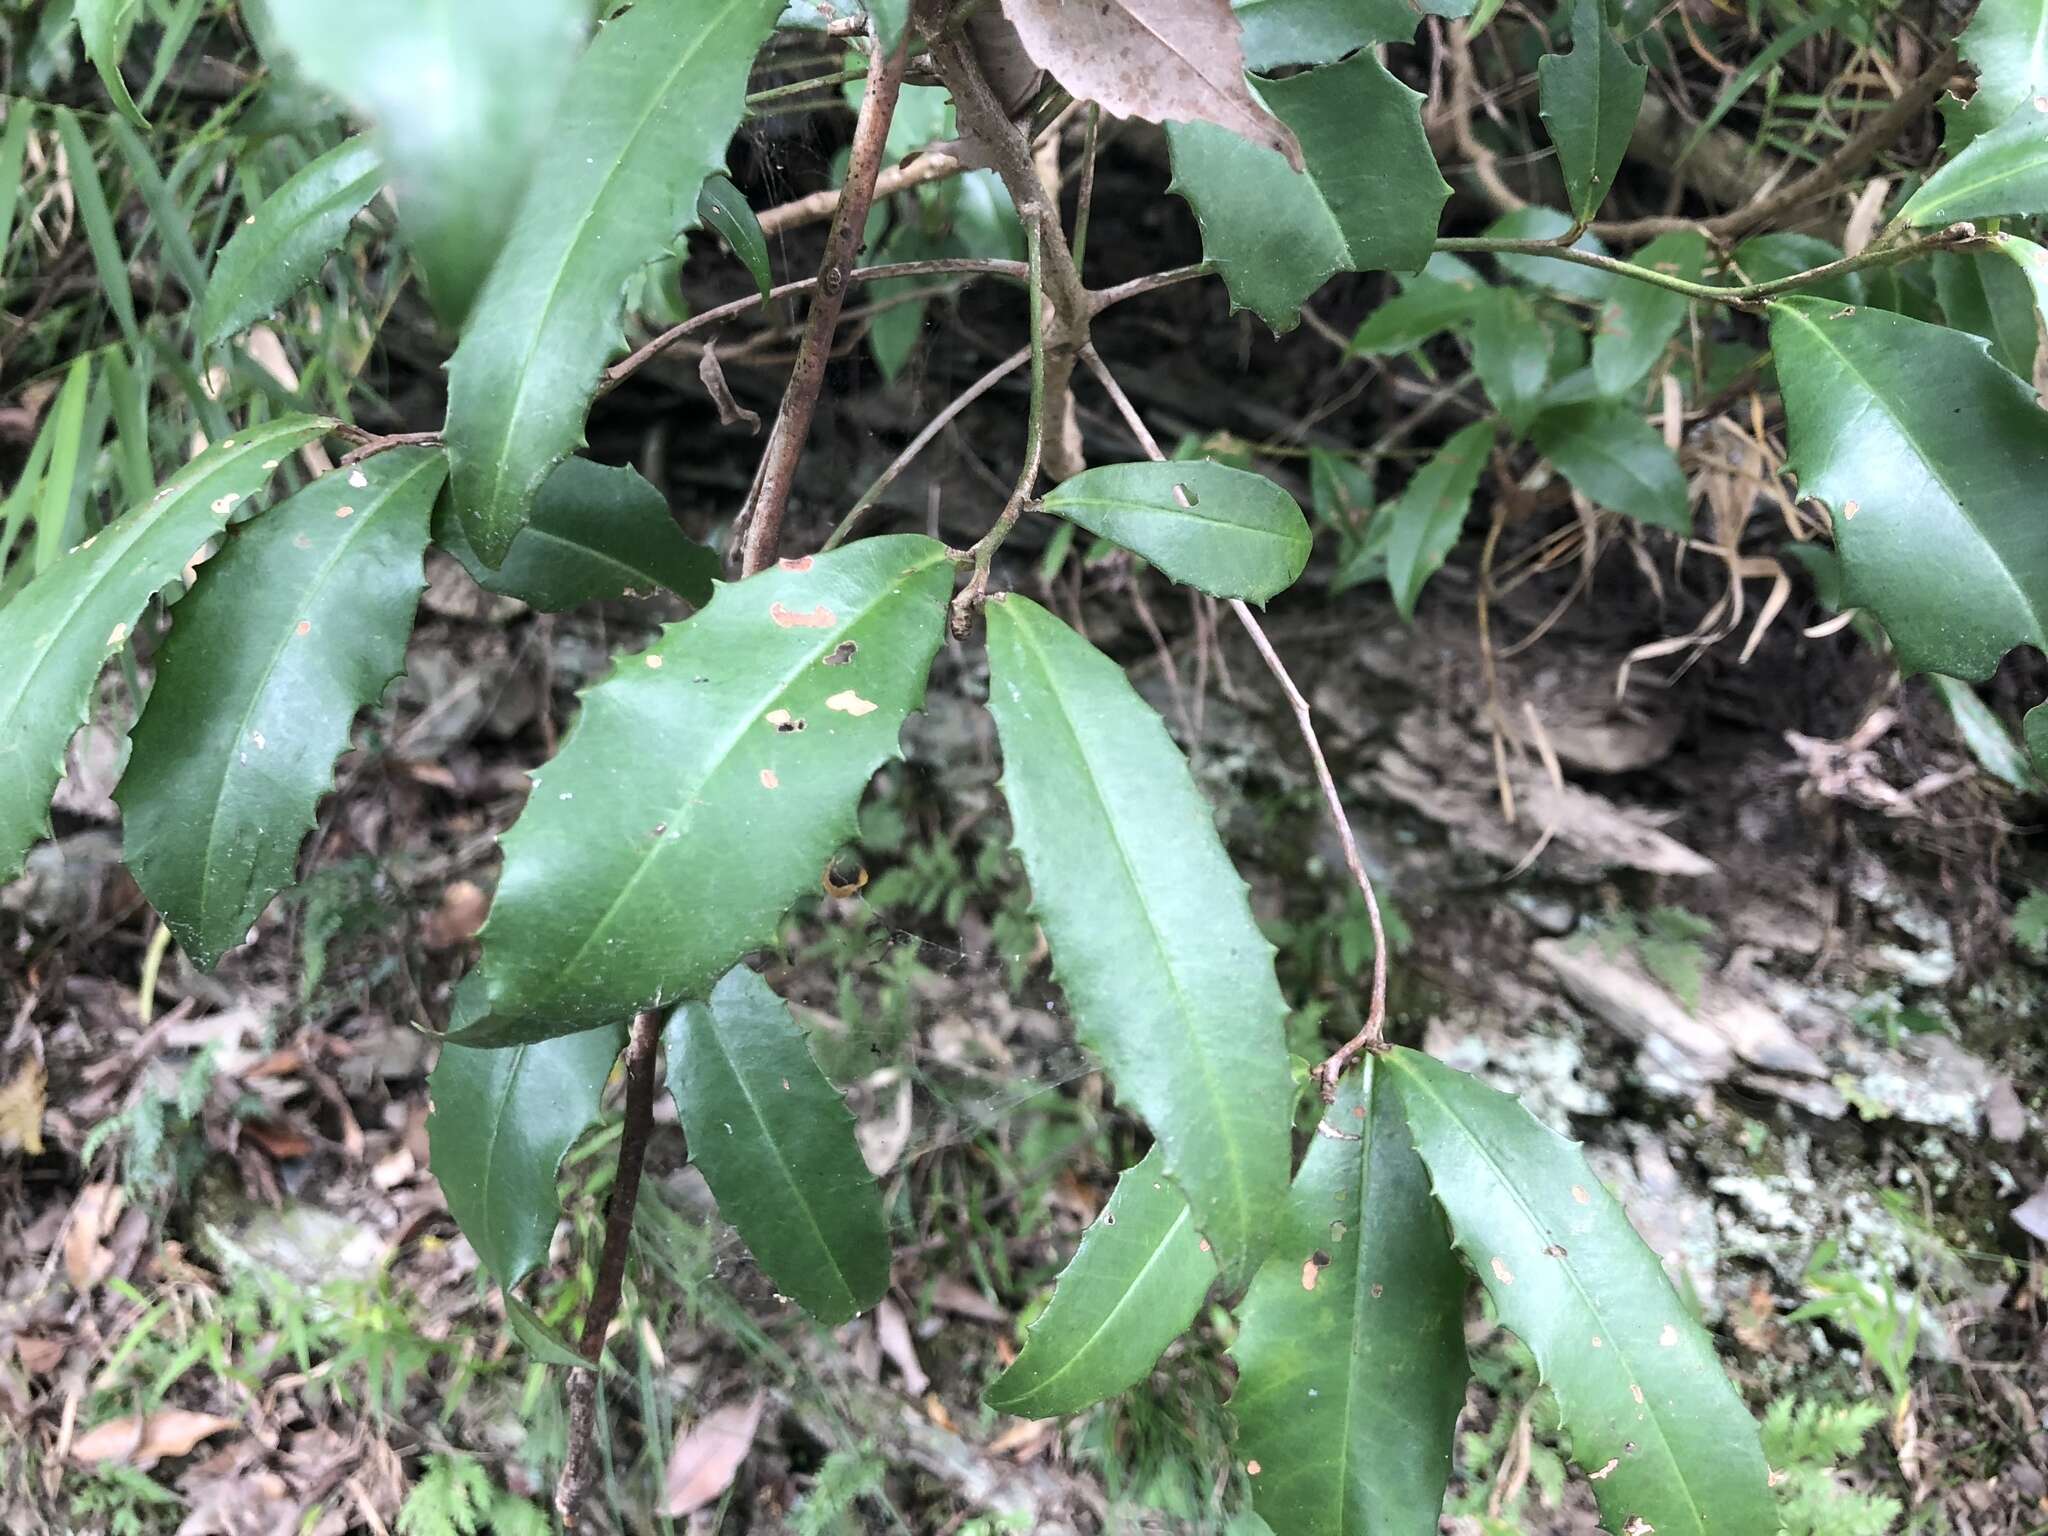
(38, 1357)
(21, 1110)
(86, 1259)
(892, 1332)
(954, 1295)
(458, 917)
(1176, 61)
(145, 1442)
(707, 1456)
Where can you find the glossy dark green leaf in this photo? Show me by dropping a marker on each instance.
(645, 118)
(1282, 32)
(723, 207)
(1351, 1345)
(1276, 234)
(1660, 1432)
(61, 628)
(597, 532)
(1445, 294)
(1225, 531)
(280, 247)
(1615, 460)
(1590, 98)
(1931, 458)
(103, 28)
(1132, 1288)
(500, 1124)
(1170, 981)
(1424, 522)
(2004, 171)
(301, 621)
(775, 1142)
(703, 787)
(462, 93)
(2007, 42)
(1510, 354)
(1782, 253)
(1638, 320)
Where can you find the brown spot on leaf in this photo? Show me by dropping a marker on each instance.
(303, 627)
(819, 617)
(851, 703)
(1555, 1250)
(1501, 1272)
(784, 721)
(1849, 510)
(768, 779)
(800, 563)
(1252, 1468)
(842, 653)
(1668, 1339)
(1581, 1196)
(344, 511)
(1378, 1290)
(653, 661)
(1606, 1471)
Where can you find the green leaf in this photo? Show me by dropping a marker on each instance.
(1510, 354)
(1169, 979)
(13, 145)
(1652, 1417)
(1590, 98)
(108, 259)
(302, 620)
(724, 207)
(1987, 294)
(1615, 460)
(1444, 294)
(1282, 32)
(1638, 320)
(1236, 535)
(1989, 742)
(60, 629)
(1277, 235)
(893, 334)
(1932, 459)
(462, 93)
(887, 19)
(1425, 522)
(282, 245)
(1565, 278)
(2003, 172)
(646, 117)
(1132, 1288)
(540, 1341)
(775, 1142)
(2008, 42)
(103, 27)
(703, 787)
(597, 532)
(1351, 1349)
(500, 1123)
(1784, 253)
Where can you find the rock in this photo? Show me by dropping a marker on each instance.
(1676, 1221)
(1548, 1073)
(2004, 1116)
(1924, 1079)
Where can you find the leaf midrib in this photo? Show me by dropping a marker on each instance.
(1112, 504)
(1505, 1182)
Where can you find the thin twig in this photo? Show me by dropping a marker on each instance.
(816, 207)
(1372, 1037)
(1102, 298)
(1085, 198)
(807, 378)
(574, 1483)
(919, 443)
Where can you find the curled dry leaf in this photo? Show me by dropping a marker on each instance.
(144, 1442)
(707, 1456)
(1176, 61)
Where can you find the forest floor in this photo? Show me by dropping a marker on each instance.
(1758, 931)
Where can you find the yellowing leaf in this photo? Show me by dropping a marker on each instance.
(21, 1109)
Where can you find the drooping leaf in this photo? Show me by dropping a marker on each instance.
(103, 28)
(2007, 41)
(1282, 32)
(1931, 458)
(1638, 320)
(1615, 460)
(462, 93)
(301, 621)
(1510, 354)
(1590, 98)
(1988, 295)
(279, 247)
(703, 787)
(1653, 1419)
(500, 1123)
(1351, 1347)
(775, 1142)
(1226, 531)
(1444, 294)
(725, 208)
(60, 629)
(2004, 171)
(645, 118)
(1425, 521)
(1276, 234)
(1132, 1288)
(1566, 278)
(1170, 981)
(597, 532)
(1166, 61)
(2021, 333)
